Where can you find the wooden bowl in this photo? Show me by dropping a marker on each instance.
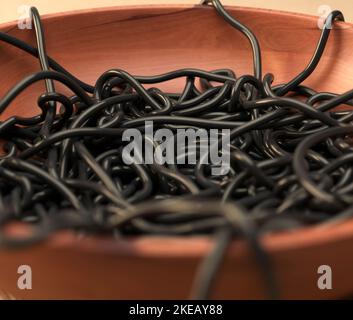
(151, 40)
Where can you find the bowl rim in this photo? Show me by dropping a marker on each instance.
(13, 23)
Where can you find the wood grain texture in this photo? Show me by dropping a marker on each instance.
(9, 9)
(152, 40)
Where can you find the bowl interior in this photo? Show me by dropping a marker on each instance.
(152, 40)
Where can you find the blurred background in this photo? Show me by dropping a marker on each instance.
(9, 9)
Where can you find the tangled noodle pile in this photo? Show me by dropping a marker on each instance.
(290, 161)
